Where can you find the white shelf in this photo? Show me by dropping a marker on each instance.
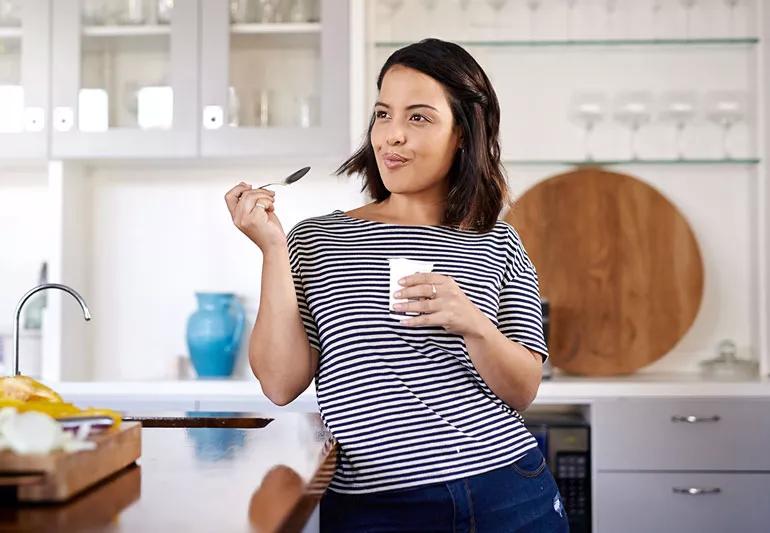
(708, 43)
(606, 162)
(142, 30)
(275, 27)
(10, 33)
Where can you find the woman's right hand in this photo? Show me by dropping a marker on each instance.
(260, 225)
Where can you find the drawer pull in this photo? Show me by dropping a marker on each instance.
(692, 419)
(695, 490)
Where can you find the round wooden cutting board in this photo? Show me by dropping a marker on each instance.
(619, 265)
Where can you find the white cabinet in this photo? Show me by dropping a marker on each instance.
(682, 502)
(129, 80)
(124, 83)
(681, 464)
(24, 81)
(275, 88)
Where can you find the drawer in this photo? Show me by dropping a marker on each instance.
(662, 502)
(681, 434)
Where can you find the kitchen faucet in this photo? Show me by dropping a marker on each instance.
(73, 292)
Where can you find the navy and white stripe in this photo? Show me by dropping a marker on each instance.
(405, 403)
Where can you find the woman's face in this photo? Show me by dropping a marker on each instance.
(413, 136)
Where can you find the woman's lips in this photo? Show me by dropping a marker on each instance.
(394, 163)
(393, 160)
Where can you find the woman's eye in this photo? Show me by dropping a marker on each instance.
(423, 119)
(380, 114)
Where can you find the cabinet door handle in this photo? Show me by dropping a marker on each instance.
(692, 419)
(696, 491)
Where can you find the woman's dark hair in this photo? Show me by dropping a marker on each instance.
(478, 189)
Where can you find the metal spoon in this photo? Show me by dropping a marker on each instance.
(296, 176)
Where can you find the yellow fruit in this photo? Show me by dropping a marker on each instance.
(26, 389)
(27, 394)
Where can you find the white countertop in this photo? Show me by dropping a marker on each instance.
(560, 389)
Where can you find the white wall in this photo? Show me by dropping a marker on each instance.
(716, 202)
(162, 235)
(25, 242)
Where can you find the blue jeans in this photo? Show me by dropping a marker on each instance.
(522, 496)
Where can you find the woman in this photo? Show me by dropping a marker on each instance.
(425, 410)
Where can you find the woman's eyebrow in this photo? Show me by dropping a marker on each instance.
(413, 106)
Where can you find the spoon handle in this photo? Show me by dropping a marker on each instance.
(269, 184)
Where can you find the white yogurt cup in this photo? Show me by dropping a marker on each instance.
(401, 267)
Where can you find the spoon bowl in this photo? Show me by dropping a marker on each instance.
(296, 176)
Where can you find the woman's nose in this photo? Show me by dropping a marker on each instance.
(395, 137)
(395, 134)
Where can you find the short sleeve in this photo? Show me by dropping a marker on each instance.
(299, 288)
(520, 316)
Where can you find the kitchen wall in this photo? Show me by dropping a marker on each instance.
(163, 234)
(159, 231)
(160, 234)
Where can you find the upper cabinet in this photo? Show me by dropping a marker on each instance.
(125, 78)
(274, 77)
(174, 78)
(24, 78)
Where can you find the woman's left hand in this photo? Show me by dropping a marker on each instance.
(449, 307)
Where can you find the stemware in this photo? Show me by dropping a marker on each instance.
(587, 108)
(726, 108)
(633, 109)
(732, 4)
(688, 6)
(679, 107)
(570, 13)
(533, 6)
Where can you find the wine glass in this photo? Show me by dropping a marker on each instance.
(587, 108)
(679, 107)
(726, 108)
(133, 13)
(533, 6)
(269, 11)
(298, 11)
(633, 109)
(657, 7)
(688, 6)
(164, 10)
(570, 9)
(732, 4)
(240, 11)
(93, 12)
(610, 6)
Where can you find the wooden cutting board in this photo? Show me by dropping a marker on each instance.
(619, 265)
(57, 476)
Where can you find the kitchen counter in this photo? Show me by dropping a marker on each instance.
(243, 395)
(202, 479)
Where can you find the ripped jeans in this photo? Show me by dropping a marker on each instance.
(521, 497)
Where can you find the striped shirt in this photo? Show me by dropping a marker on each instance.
(405, 403)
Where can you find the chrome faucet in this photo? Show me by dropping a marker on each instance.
(73, 292)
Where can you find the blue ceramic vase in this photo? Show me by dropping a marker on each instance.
(214, 333)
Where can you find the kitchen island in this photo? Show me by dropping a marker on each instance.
(226, 473)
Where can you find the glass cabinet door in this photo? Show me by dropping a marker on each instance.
(125, 78)
(24, 82)
(274, 77)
